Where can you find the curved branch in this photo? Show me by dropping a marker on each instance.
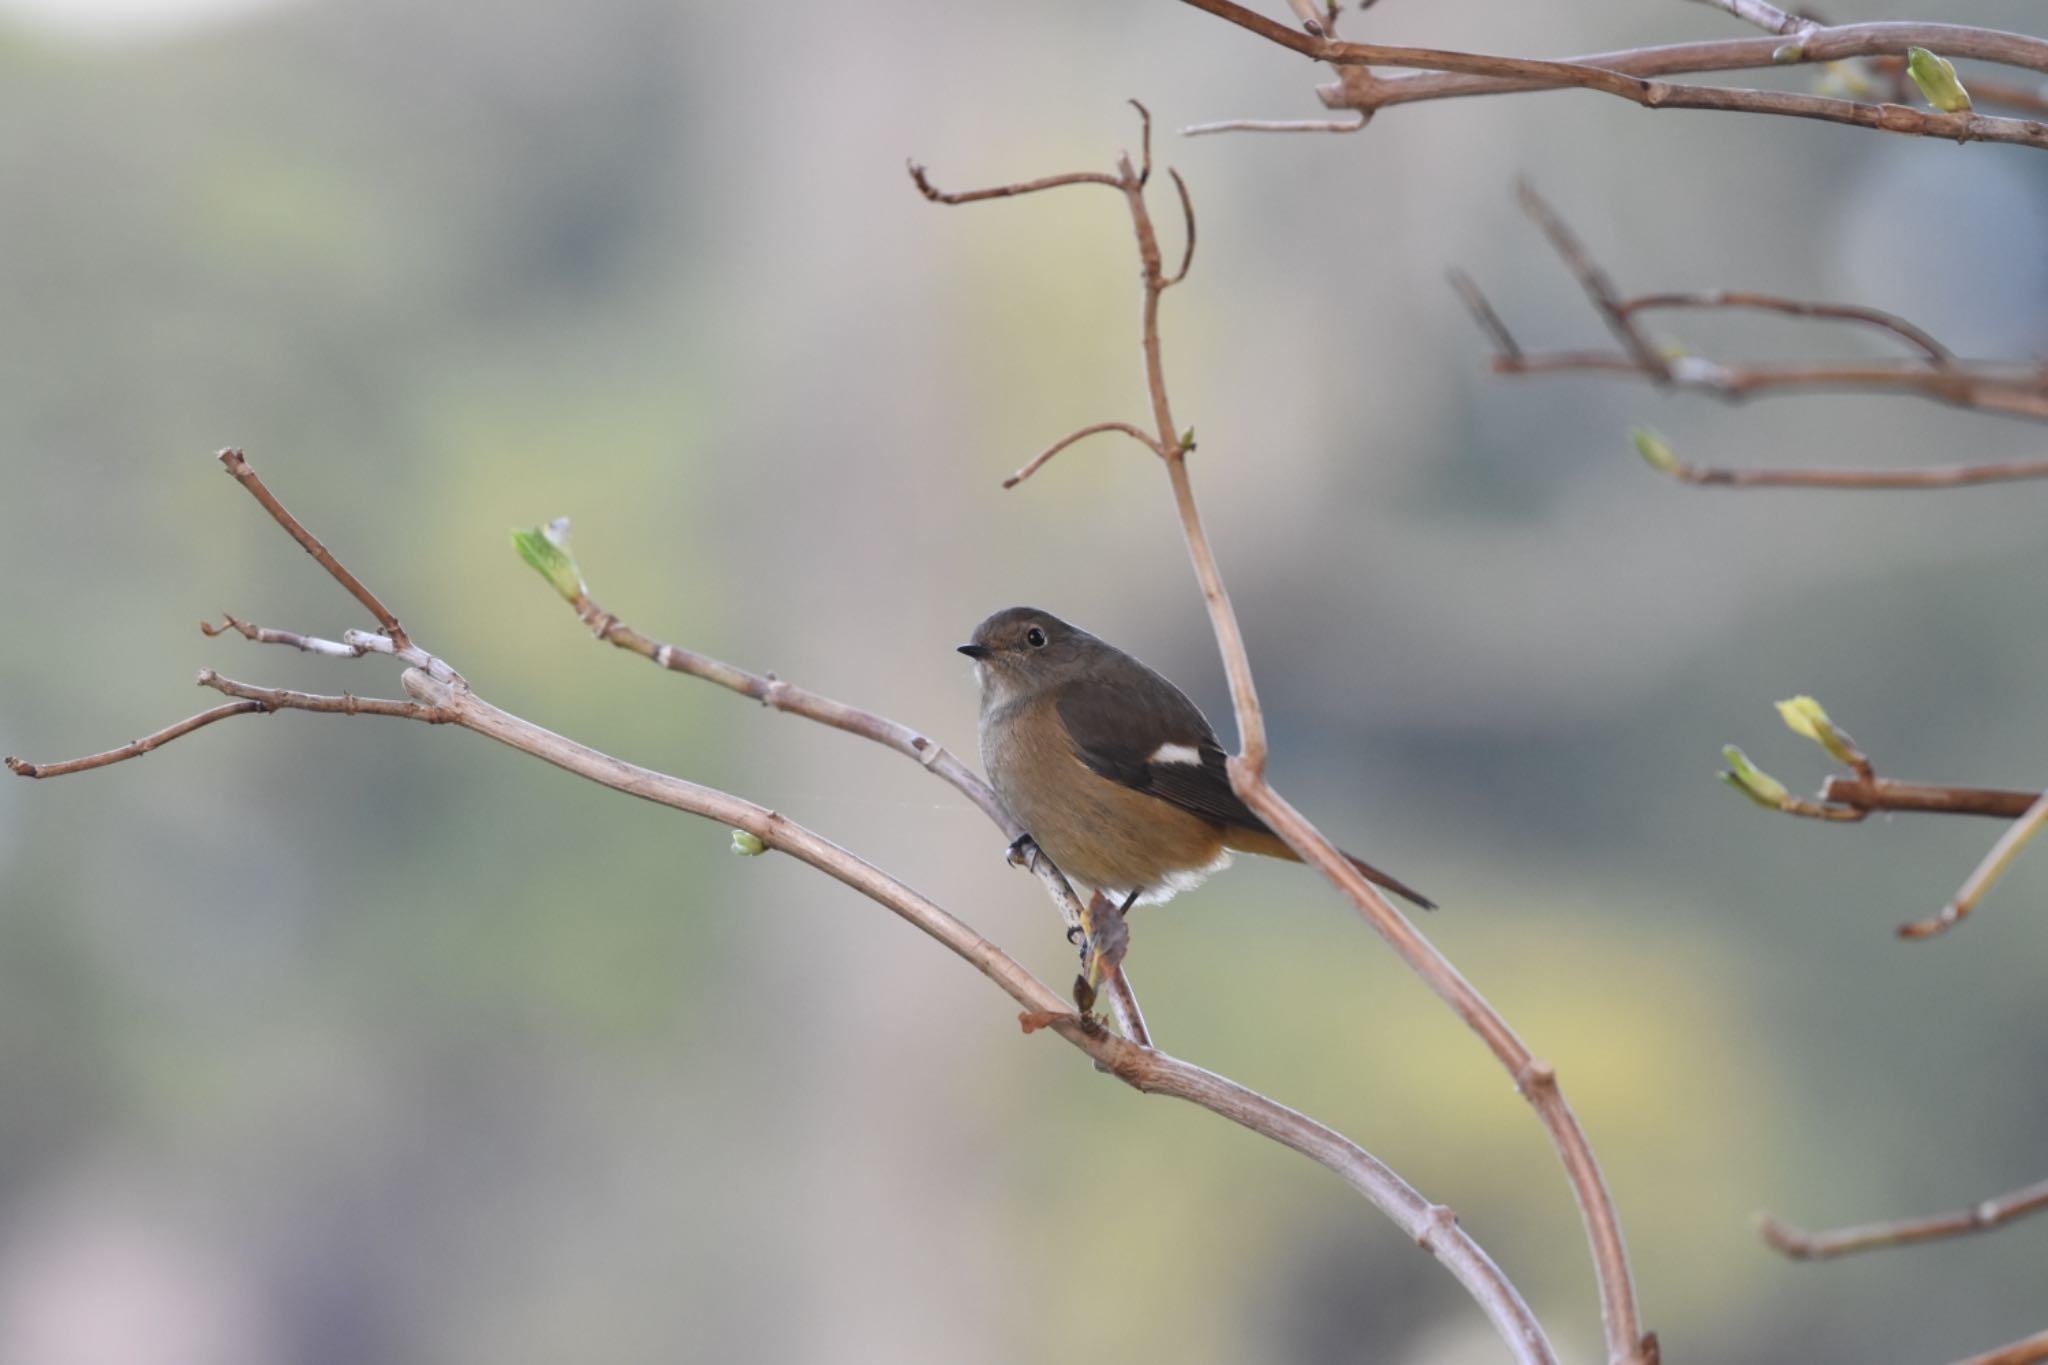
(1982, 1216)
(134, 748)
(1627, 1343)
(1038, 461)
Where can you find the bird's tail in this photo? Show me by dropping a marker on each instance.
(1266, 842)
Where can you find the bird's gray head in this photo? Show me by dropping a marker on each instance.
(1022, 650)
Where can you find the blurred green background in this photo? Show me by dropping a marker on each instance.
(333, 1040)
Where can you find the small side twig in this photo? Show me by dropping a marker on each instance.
(264, 635)
(1599, 289)
(2026, 1351)
(1887, 793)
(136, 748)
(310, 543)
(1983, 876)
(1982, 1216)
(1038, 461)
(1771, 303)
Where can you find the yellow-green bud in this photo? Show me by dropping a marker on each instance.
(1937, 79)
(1654, 450)
(1806, 717)
(1752, 781)
(546, 548)
(747, 845)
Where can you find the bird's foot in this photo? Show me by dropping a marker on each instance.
(1023, 853)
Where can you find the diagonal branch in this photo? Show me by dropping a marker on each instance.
(1627, 1343)
(134, 748)
(1982, 1216)
(1986, 874)
(2026, 1351)
(1594, 281)
(310, 543)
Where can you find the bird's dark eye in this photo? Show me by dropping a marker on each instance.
(1035, 638)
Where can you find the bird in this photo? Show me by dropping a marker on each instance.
(1114, 774)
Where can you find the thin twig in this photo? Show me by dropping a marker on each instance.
(341, 704)
(1599, 289)
(1036, 462)
(2026, 1351)
(1187, 213)
(1767, 17)
(1984, 876)
(1982, 1216)
(1051, 182)
(135, 748)
(1799, 308)
(1869, 480)
(1627, 1343)
(784, 696)
(310, 543)
(306, 644)
(1483, 313)
(1269, 125)
(1887, 793)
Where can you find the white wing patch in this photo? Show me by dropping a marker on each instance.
(1176, 753)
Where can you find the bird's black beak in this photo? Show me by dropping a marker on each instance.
(975, 651)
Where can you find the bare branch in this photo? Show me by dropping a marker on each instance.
(1594, 281)
(135, 748)
(1627, 1343)
(1940, 476)
(1889, 794)
(1986, 874)
(1036, 462)
(1050, 182)
(2026, 1351)
(307, 644)
(342, 704)
(1483, 313)
(310, 543)
(1767, 17)
(1187, 213)
(1995, 1212)
(1261, 125)
(1837, 312)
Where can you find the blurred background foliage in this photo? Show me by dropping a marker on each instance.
(340, 1041)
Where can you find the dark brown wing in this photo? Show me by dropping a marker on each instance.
(1119, 732)
(1143, 735)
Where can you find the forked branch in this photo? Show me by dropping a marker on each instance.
(1934, 372)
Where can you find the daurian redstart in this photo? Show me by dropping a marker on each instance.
(1113, 771)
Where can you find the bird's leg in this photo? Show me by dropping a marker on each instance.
(1023, 852)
